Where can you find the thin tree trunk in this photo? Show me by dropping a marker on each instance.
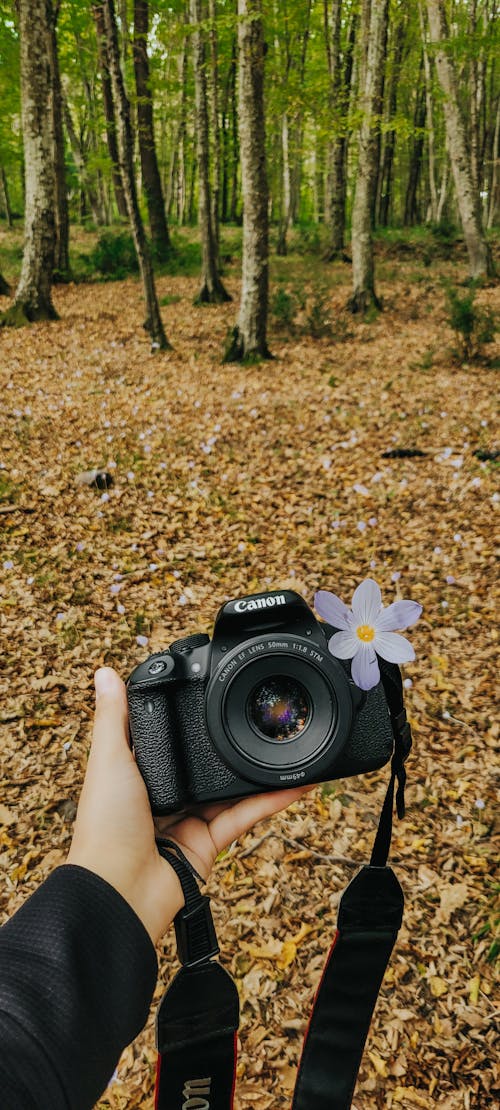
(495, 176)
(33, 300)
(249, 337)
(86, 185)
(61, 213)
(176, 189)
(286, 190)
(107, 98)
(385, 176)
(233, 213)
(411, 213)
(213, 105)
(480, 260)
(6, 198)
(429, 118)
(153, 322)
(340, 70)
(212, 290)
(473, 98)
(364, 295)
(149, 163)
(443, 191)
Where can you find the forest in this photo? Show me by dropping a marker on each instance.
(249, 305)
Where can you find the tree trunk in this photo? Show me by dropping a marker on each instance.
(61, 212)
(109, 115)
(494, 205)
(429, 117)
(86, 185)
(340, 70)
(6, 198)
(364, 295)
(249, 337)
(33, 299)
(480, 260)
(286, 190)
(149, 164)
(385, 177)
(233, 212)
(212, 290)
(411, 213)
(153, 322)
(213, 103)
(176, 190)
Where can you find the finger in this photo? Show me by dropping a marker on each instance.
(231, 823)
(110, 737)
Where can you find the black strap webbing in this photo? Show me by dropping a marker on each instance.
(198, 1017)
(370, 915)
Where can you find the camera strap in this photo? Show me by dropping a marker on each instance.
(198, 1017)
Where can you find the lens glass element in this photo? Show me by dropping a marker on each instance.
(279, 708)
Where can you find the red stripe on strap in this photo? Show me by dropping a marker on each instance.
(157, 1081)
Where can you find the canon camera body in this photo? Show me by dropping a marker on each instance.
(261, 706)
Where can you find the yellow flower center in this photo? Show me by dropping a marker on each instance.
(365, 632)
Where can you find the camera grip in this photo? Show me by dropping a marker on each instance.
(154, 735)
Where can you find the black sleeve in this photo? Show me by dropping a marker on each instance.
(77, 974)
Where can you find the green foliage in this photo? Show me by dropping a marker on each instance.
(319, 319)
(284, 308)
(474, 326)
(114, 255)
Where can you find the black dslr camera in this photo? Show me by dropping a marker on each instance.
(261, 706)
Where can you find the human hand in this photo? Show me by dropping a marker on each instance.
(114, 833)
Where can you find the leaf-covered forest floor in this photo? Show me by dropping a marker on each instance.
(229, 480)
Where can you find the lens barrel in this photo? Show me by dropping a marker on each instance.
(279, 710)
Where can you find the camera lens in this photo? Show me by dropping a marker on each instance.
(279, 708)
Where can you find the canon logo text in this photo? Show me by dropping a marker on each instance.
(196, 1094)
(246, 606)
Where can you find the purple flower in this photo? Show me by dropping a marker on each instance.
(368, 629)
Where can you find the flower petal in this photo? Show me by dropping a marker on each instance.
(343, 645)
(332, 609)
(364, 669)
(393, 647)
(366, 602)
(401, 614)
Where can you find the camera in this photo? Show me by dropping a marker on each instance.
(261, 706)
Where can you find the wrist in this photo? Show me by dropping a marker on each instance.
(155, 894)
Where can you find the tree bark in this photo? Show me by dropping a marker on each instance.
(364, 295)
(213, 103)
(149, 163)
(480, 260)
(249, 339)
(411, 213)
(62, 269)
(6, 198)
(340, 70)
(429, 117)
(385, 176)
(212, 290)
(86, 184)
(33, 300)
(153, 322)
(109, 115)
(494, 205)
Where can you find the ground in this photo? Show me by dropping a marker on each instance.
(230, 480)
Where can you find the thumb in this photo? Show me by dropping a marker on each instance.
(110, 738)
